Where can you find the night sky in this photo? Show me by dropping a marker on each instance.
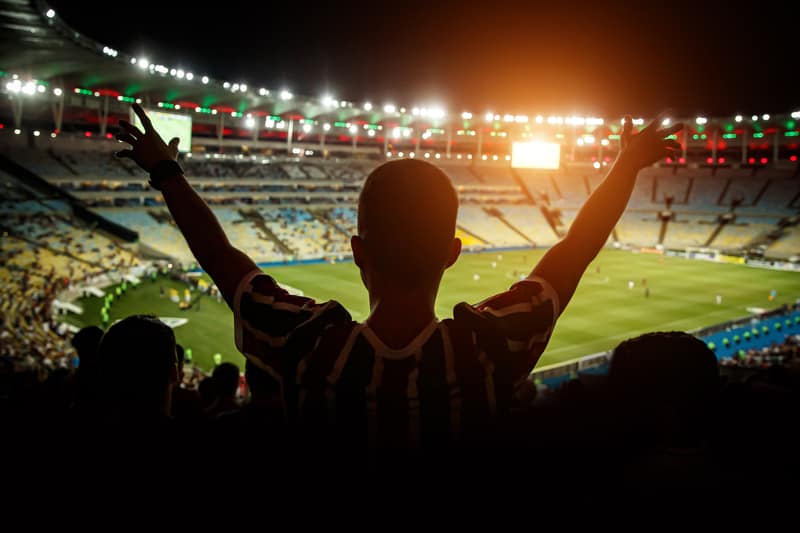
(561, 57)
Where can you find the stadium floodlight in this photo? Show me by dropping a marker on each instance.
(36, 133)
(580, 141)
(389, 108)
(250, 122)
(243, 87)
(204, 79)
(173, 72)
(388, 154)
(458, 156)
(469, 156)
(14, 86)
(489, 117)
(29, 88)
(57, 91)
(796, 114)
(539, 119)
(371, 133)
(604, 142)
(286, 95)
(328, 101)
(53, 135)
(189, 76)
(412, 155)
(638, 121)
(177, 107)
(367, 106)
(701, 120)
(738, 118)
(438, 156)
(407, 132)
(484, 157)
(521, 119)
(226, 85)
(415, 111)
(50, 13)
(180, 74)
(593, 121)
(399, 154)
(143, 63)
(508, 118)
(754, 118)
(353, 128)
(263, 92)
(138, 100)
(306, 128)
(427, 155)
(666, 122)
(596, 164)
(396, 133)
(466, 115)
(326, 127)
(235, 87)
(133, 60)
(17, 131)
(765, 116)
(494, 157)
(508, 158)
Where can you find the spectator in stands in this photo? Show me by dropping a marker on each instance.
(185, 402)
(402, 376)
(138, 367)
(87, 343)
(665, 387)
(226, 382)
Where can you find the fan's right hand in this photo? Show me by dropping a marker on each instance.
(147, 148)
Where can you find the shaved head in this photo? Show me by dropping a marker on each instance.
(407, 220)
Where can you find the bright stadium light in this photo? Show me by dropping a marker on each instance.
(326, 127)
(36, 133)
(738, 118)
(508, 118)
(521, 119)
(180, 74)
(353, 128)
(17, 131)
(204, 79)
(466, 115)
(29, 88)
(638, 121)
(388, 154)
(412, 155)
(243, 87)
(427, 155)
(173, 72)
(226, 85)
(189, 76)
(367, 106)
(754, 118)
(701, 120)
(596, 164)
(306, 128)
(328, 101)
(50, 13)
(399, 154)
(765, 116)
(263, 92)
(14, 86)
(371, 133)
(143, 63)
(250, 122)
(489, 117)
(57, 91)
(539, 119)
(407, 132)
(796, 114)
(592, 121)
(133, 61)
(235, 87)
(580, 141)
(286, 95)
(389, 108)
(665, 122)
(604, 142)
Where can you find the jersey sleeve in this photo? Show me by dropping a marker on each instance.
(511, 329)
(274, 329)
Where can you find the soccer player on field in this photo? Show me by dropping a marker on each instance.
(402, 378)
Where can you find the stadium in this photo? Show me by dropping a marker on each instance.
(709, 242)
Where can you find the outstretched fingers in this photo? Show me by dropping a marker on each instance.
(126, 138)
(148, 126)
(131, 129)
(670, 130)
(125, 153)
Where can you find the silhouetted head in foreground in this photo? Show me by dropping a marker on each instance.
(667, 384)
(406, 226)
(87, 343)
(138, 366)
(226, 380)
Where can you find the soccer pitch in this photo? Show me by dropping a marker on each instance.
(603, 311)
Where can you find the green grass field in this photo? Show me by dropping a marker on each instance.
(602, 312)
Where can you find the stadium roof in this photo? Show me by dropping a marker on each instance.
(39, 52)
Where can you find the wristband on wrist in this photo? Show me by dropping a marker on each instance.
(162, 171)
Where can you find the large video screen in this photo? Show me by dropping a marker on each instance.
(535, 155)
(169, 125)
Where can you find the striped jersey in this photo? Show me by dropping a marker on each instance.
(451, 381)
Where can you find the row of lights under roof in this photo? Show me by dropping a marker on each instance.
(328, 101)
(437, 155)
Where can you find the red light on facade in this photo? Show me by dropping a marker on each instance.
(764, 160)
(594, 159)
(682, 160)
(793, 158)
(751, 160)
(669, 160)
(87, 133)
(109, 136)
(710, 160)
(721, 160)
